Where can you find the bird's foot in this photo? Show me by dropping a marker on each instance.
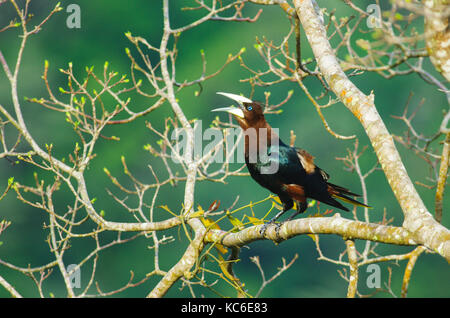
(263, 229)
(277, 229)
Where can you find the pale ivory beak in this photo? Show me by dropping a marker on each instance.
(238, 98)
(234, 110)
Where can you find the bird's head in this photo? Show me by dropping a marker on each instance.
(248, 113)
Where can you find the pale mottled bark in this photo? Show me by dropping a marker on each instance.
(437, 35)
(414, 255)
(353, 275)
(338, 225)
(181, 268)
(442, 179)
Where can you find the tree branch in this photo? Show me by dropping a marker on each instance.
(353, 261)
(336, 224)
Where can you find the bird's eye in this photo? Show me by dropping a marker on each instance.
(249, 108)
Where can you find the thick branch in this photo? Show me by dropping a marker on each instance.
(346, 228)
(353, 260)
(437, 35)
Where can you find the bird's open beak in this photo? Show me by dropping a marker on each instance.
(234, 110)
(238, 98)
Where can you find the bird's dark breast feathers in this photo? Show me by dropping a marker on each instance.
(289, 171)
(287, 168)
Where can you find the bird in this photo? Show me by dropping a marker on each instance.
(289, 172)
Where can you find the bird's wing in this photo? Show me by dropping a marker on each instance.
(307, 161)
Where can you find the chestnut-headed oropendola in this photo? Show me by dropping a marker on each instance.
(293, 175)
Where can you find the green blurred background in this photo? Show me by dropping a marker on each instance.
(101, 38)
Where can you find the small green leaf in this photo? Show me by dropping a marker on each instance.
(398, 16)
(254, 221)
(364, 44)
(237, 224)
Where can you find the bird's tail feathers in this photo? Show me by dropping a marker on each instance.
(350, 200)
(341, 190)
(342, 193)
